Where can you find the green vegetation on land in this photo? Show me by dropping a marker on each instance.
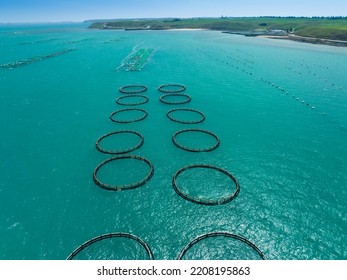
(333, 28)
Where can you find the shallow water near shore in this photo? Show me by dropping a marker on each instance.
(278, 107)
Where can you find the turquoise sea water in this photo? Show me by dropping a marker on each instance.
(278, 107)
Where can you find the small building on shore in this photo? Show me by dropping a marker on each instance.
(277, 32)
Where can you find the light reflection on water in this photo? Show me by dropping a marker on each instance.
(289, 159)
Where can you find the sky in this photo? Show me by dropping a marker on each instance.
(80, 10)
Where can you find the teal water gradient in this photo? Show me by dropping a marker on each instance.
(289, 158)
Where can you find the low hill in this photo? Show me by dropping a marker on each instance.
(333, 28)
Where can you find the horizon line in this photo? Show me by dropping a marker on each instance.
(171, 17)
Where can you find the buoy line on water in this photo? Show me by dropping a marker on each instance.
(216, 234)
(186, 100)
(130, 89)
(109, 236)
(123, 187)
(166, 88)
(189, 149)
(197, 200)
(106, 151)
(131, 120)
(202, 116)
(120, 100)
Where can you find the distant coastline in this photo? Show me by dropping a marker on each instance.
(315, 30)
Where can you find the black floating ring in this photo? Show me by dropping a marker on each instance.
(119, 102)
(197, 200)
(123, 187)
(180, 88)
(188, 98)
(113, 152)
(108, 236)
(128, 121)
(130, 89)
(189, 149)
(187, 110)
(219, 233)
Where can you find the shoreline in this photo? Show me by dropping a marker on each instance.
(309, 40)
(188, 29)
(291, 37)
(330, 31)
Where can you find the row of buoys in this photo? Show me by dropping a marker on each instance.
(240, 59)
(38, 41)
(241, 67)
(310, 72)
(79, 41)
(148, 250)
(21, 63)
(321, 78)
(287, 93)
(314, 64)
(241, 62)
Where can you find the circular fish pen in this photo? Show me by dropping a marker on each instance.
(172, 88)
(190, 149)
(223, 234)
(164, 98)
(133, 89)
(109, 236)
(112, 118)
(123, 151)
(197, 200)
(120, 100)
(201, 119)
(120, 187)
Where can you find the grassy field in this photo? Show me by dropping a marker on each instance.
(327, 28)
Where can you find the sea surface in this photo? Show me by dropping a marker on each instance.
(279, 109)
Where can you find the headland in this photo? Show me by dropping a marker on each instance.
(316, 30)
